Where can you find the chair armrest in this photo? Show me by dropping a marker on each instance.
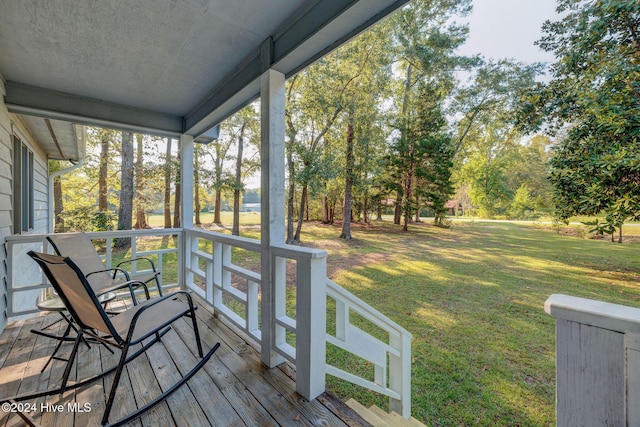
(129, 261)
(131, 285)
(115, 270)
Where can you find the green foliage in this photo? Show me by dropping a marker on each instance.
(88, 218)
(592, 101)
(420, 157)
(491, 158)
(522, 204)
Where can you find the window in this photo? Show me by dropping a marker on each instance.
(22, 187)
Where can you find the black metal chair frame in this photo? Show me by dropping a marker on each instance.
(155, 276)
(113, 338)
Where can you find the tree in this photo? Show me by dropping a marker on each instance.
(54, 166)
(141, 181)
(196, 185)
(178, 196)
(105, 138)
(485, 168)
(167, 185)
(428, 60)
(247, 131)
(222, 180)
(348, 186)
(125, 209)
(315, 98)
(592, 101)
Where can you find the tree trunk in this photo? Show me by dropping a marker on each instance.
(325, 206)
(408, 190)
(291, 198)
(405, 137)
(397, 213)
(167, 186)
(303, 199)
(417, 218)
(196, 187)
(178, 197)
(348, 182)
(103, 204)
(217, 219)
(58, 204)
(306, 209)
(125, 211)
(141, 217)
(235, 230)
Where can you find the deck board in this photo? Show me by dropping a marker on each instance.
(233, 389)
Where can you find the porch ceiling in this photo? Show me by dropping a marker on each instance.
(162, 66)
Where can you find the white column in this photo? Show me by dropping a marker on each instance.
(272, 166)
(186, 202)
(186, 180)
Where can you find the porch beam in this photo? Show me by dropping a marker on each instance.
(301, 40)
(272, 199)
(52, 104)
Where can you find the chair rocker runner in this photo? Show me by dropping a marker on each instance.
(80, 249)
(149, 319)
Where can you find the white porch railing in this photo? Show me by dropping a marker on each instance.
(225, 271)
(597, 362)
(391, 358)
(23, 278)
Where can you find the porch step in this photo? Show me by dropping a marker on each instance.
(379, 418)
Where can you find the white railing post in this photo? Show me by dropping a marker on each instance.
(311, 322)
(400, 374)
(217, 274)
(391, 360)
(597, 362)
(279, 295)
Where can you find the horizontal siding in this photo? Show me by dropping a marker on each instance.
(5, 171)
(24, 271)
(6, 221)
(41, 195)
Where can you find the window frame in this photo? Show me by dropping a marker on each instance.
(23, 191)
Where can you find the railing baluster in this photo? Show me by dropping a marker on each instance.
(391, 360)
(280, 301)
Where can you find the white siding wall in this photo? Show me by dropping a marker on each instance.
(5, 200)
(26, 270)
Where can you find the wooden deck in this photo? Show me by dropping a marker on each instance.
(233, 389)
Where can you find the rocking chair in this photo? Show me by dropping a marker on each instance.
(149, 319)
(80, 249)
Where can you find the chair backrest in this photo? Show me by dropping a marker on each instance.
(80, 249)
(75, 291)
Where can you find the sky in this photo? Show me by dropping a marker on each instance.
(508, 28)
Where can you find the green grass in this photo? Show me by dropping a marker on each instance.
(246, 218)
(473, 296)
(483, 348)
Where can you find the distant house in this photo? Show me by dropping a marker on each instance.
(251, 207)
(454, 207)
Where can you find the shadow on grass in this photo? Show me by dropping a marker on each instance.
(473, 296)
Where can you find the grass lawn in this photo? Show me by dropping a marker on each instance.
(472, 296)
